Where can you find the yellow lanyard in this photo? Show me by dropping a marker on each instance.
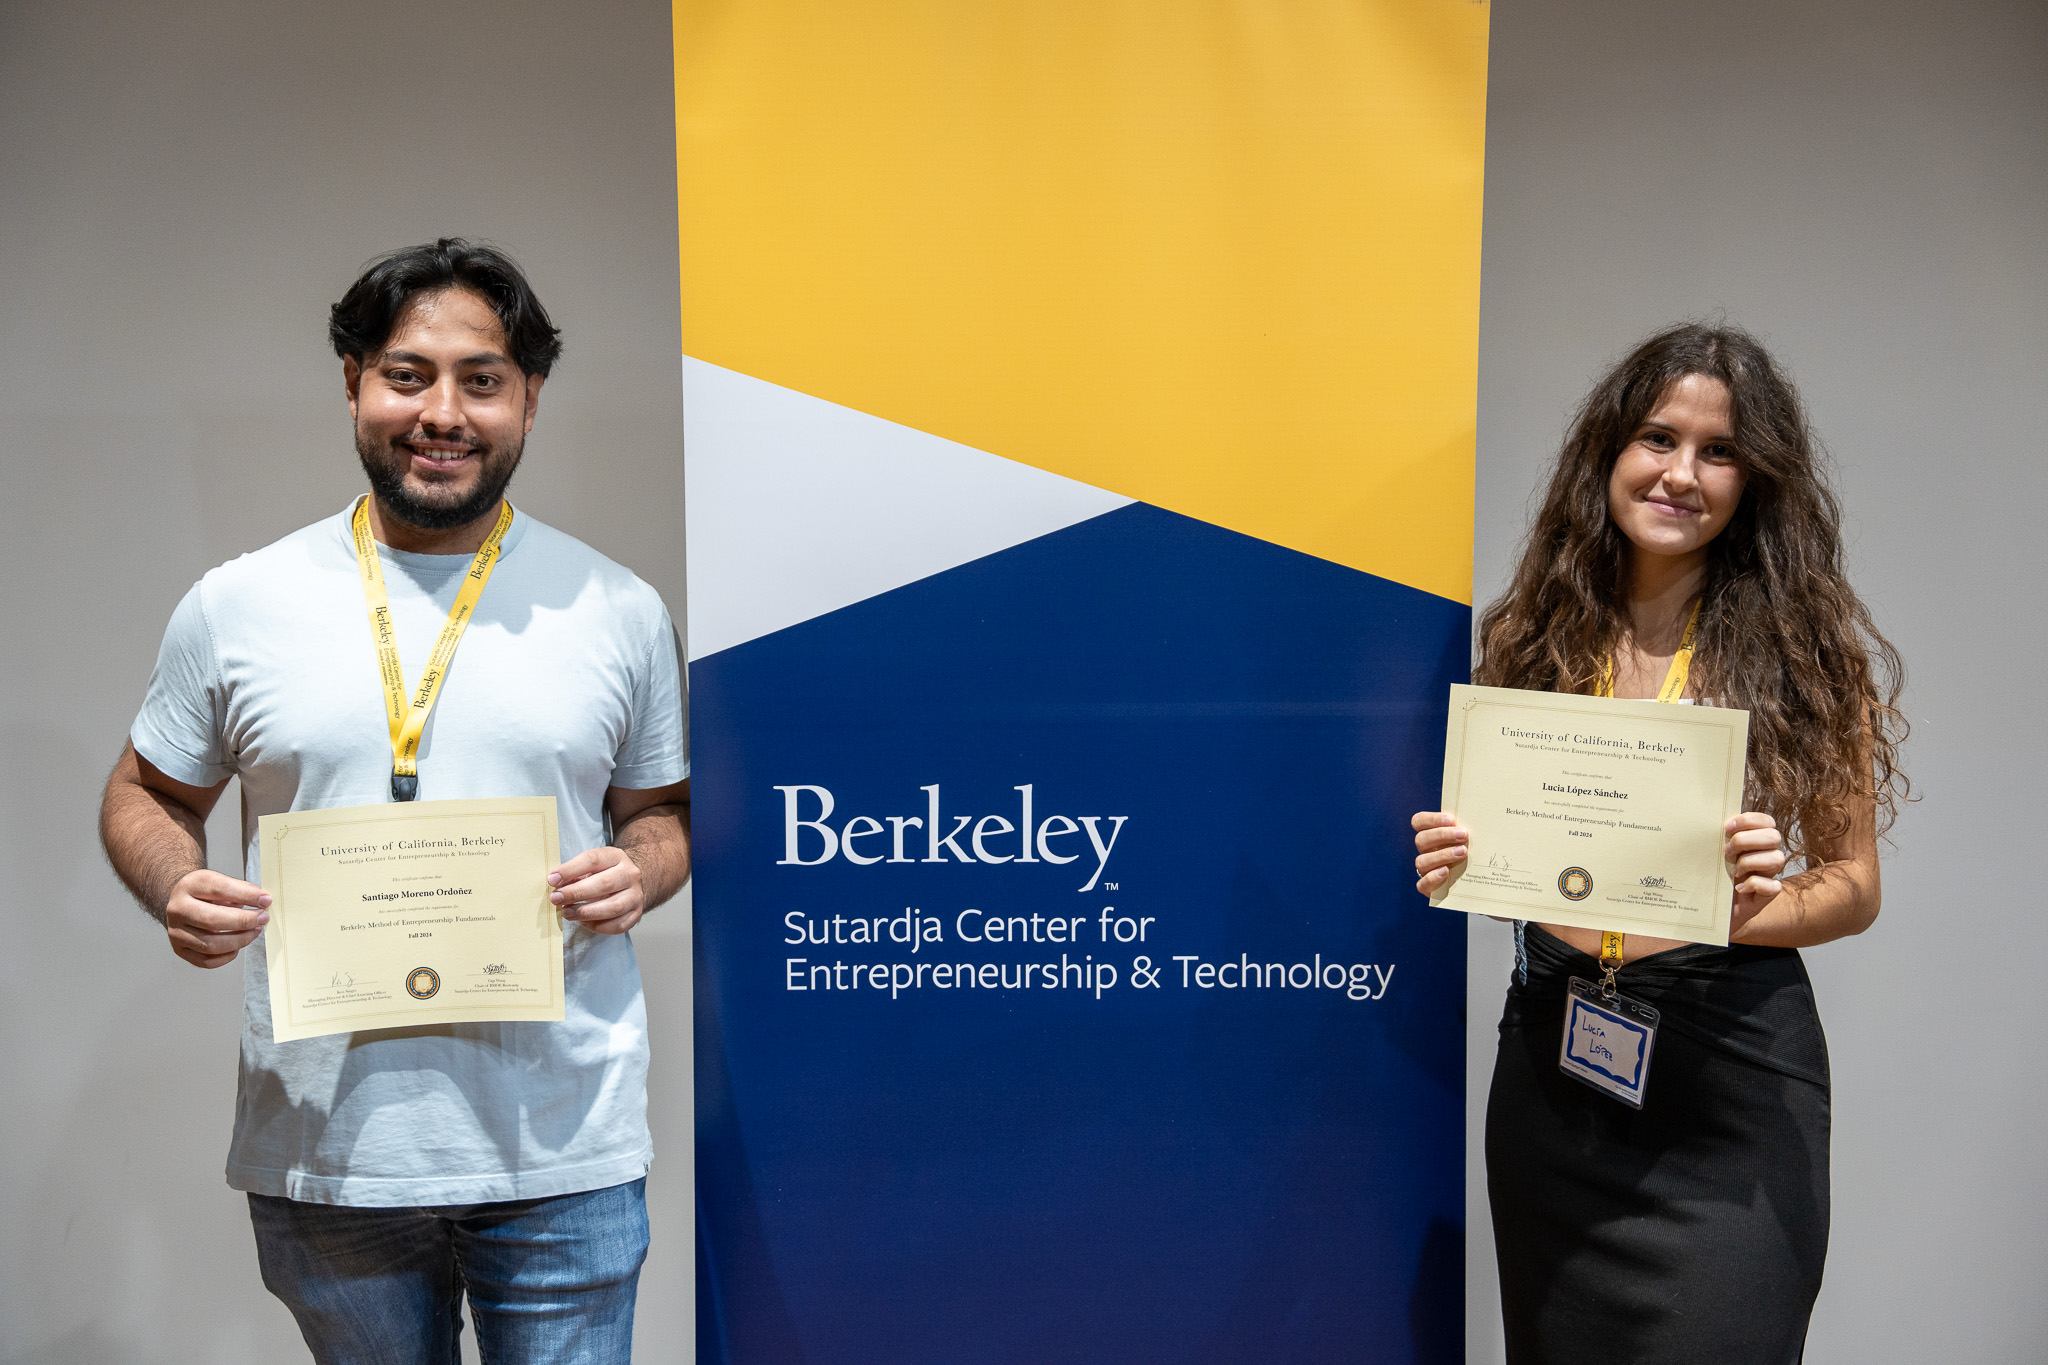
(1675, 676)
(409, 722)
(1673, 689)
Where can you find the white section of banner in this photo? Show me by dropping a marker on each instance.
(797, 506)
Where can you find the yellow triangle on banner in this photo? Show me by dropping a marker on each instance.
(1218, 255)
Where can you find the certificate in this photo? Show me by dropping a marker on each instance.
(1592, 812)
(415, 912)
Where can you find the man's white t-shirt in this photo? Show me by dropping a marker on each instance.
(565, 684)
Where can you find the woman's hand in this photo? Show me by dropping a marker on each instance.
(1440, 846)
(1756, 856)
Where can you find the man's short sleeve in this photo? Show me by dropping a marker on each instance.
(184, 713)
(657, 749)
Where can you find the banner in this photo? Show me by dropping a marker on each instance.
(1079, 422)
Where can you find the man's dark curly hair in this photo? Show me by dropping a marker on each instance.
(360, 325)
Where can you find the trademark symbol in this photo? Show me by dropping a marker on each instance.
(1109, 886)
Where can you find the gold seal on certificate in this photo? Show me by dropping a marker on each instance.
(1592, 812)
(416, 912)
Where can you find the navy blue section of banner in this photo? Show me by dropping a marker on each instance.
(952, 1106)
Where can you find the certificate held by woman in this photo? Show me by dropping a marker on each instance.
(1593, 812)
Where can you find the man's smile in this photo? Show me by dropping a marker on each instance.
(439, 455)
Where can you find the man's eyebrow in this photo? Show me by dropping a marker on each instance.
(415, 358)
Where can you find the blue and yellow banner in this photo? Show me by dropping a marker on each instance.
(1079, 407)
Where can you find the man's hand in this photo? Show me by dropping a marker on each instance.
(600, 889)
(609, 889)
(154, 831)
(211, 917)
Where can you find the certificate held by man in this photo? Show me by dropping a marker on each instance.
(1593, 812)
(416, 912)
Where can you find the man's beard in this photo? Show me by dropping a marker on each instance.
(386, 466)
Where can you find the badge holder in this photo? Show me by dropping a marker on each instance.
(1607, 1035)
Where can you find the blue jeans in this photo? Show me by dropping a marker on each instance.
(550, 1281)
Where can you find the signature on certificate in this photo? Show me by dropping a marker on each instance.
(342, 979)
(495, 969)
(1498, 862)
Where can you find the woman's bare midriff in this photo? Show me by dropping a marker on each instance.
(1587, 941)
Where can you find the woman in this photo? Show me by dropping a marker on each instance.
(1695, 1228)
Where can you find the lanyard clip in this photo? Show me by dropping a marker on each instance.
(405, 787)
(1610, 962)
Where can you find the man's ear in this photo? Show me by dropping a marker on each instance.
(533, 383)
(352, 382)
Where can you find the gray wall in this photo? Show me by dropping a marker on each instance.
(184, 189)
(1866, 185)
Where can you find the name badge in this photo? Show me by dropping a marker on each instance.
(1607, 1041)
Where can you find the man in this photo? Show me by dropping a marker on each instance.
(391, 1171)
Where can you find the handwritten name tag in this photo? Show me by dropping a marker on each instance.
(1607, 1041)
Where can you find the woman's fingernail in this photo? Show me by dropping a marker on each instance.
(262, 919)
(554, 879)
(558, 898)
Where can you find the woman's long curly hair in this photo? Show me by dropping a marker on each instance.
(1781, 635)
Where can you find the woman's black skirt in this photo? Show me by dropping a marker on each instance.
(1693, 1230)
